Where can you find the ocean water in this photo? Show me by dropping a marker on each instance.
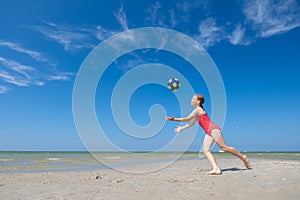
(13, 162)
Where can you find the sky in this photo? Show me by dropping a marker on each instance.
(253, 44)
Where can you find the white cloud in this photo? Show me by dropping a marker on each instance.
(153, 11)
(173, 21)
(101, 33)
(72, 39)
(263, 18)
(15, 73)
(3, 89)
(238, 36)
(76, 38)
(188, 6)
(60, 77)
(16, 47)
(133, 60)
(269, 17)
(15, 80)
(210, 33)
(39, 83)
(17, 67)
(161, 18)
(121, 17)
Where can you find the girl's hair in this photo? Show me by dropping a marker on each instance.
(201, 99)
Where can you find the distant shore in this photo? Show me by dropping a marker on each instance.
(270, 178)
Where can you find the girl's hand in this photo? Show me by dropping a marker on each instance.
(171, 118)
(177, 129)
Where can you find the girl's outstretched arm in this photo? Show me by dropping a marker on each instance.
(192, 115)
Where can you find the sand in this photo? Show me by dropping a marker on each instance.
(186, 179)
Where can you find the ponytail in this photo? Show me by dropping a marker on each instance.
(201, 100)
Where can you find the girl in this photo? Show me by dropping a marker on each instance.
(213, 133)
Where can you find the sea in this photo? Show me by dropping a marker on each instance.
(40, 161)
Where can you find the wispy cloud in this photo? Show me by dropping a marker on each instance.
(15, 73)
(121, 17)
(270, 17)
(18, 48)
(153, 11)
(160, 17)
(60, 76)
(14, 79)
(259, 19)
(77, 38)
(101, 33)
(263, 18)
(70, 39)
(180, 16)
(3, 89)
(187, 6)
(210, 33)
(173, 20)
(17, 67)
(132, 60)
(238, 36)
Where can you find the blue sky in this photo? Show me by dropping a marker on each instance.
(254, 44)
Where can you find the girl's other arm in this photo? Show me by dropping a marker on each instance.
(180, 128)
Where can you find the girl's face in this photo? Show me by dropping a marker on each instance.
(194, 101)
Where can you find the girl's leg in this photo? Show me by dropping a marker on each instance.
(207, 143)
(217, 136)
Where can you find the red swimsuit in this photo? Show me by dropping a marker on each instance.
(207, 124)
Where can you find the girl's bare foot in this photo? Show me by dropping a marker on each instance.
(214, 172)
(246, 162)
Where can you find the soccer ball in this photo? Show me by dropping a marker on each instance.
(173, 84)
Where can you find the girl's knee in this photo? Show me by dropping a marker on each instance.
(225, 148)
(205, 150)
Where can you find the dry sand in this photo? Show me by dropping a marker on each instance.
(269, 179)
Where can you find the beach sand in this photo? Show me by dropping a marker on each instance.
(185, 179)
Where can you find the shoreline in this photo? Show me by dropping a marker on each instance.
(11, 162)
(183, 179)
(57, 151)
(63, 162)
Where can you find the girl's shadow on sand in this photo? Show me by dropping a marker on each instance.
(234, 169)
